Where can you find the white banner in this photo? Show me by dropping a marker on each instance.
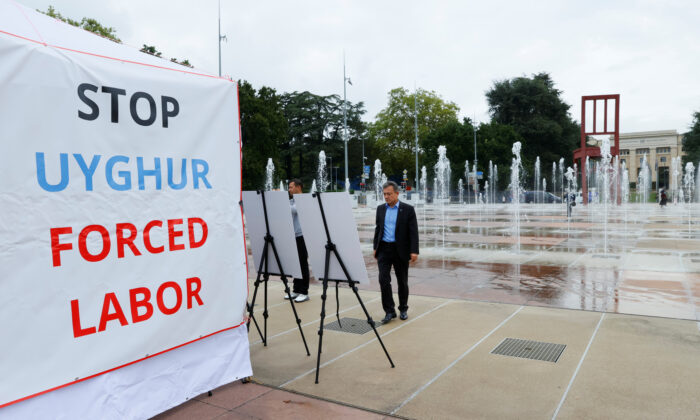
(121, 234)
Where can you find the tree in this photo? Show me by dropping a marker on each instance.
(88, 24)
(691, 142)
(535, 110)
(315, 123)
(495, 142)
(393, 129)
(458, 138)
(96, 27)
(263, 128)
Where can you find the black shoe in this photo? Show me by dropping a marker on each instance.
(403, 316)
(388, 317)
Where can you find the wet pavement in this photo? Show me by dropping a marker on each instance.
(622, 294)
(642, 260)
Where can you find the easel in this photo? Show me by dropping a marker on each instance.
(331, 249)
(265, 274)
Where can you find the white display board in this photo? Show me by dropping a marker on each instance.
(279, 215)
(343, 231)
(121, 238)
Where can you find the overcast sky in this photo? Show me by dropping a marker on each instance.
(647, 51)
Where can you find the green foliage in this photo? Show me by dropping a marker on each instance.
(315, 123)
(495, 143)
(691, 142)
(393, 130)
(535, 110)
(263, 128)
(458, 138)
(151, 49)
(88, 24)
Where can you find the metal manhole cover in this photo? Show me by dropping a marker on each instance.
(529, 349)
(351, 325)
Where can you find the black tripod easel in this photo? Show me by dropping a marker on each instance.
(263, 271)
(332, 250)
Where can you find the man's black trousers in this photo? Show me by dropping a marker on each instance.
(388, 256)
(301, 285)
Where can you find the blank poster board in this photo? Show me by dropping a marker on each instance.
(343, 231)
(279, 216)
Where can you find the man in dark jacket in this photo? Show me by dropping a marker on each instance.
(395, 243)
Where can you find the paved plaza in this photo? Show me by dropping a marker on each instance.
(621, 295)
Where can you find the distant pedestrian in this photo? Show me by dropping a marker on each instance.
(300, 292)
(664, 199)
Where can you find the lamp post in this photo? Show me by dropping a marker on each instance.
(221, 38)
(415, 129)
(476, 167)
(345, 116)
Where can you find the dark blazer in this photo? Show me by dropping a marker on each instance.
(406, 230)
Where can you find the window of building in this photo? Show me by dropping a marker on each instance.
(663, 150)
(662, 159)
(623, 160)
(624, 152)
(642, 151)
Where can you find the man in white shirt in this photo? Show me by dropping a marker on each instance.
(300, 291)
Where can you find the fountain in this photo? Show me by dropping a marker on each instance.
(442, 175)
(491, 199)
(313, 186)
(515, 192)
(554, 178)
(644, 181)
(536, 187)
(269, 173)
(697, 184)
(588, 174)
(561, 176)
(377, 180)
(606, 185)
(689, 186)
(544, 185)
(281, 185)
(321, 173)
(689, 182)
(347, 185)
(475, 181)
(494, 184)
(442, 185)
(466, 176)
(424, 187)
(675, 176)
(460, 188)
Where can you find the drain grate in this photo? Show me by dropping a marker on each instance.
(614, 257)
(529, 349)
(351, 325)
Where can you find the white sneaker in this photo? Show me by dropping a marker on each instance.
(293, 295)
(301, 298)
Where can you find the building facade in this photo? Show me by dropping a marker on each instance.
(660, 147)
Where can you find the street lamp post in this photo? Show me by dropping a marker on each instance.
(415, 129)
(345, 116)
(221, 38)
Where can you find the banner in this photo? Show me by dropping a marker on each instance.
(121, 234)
